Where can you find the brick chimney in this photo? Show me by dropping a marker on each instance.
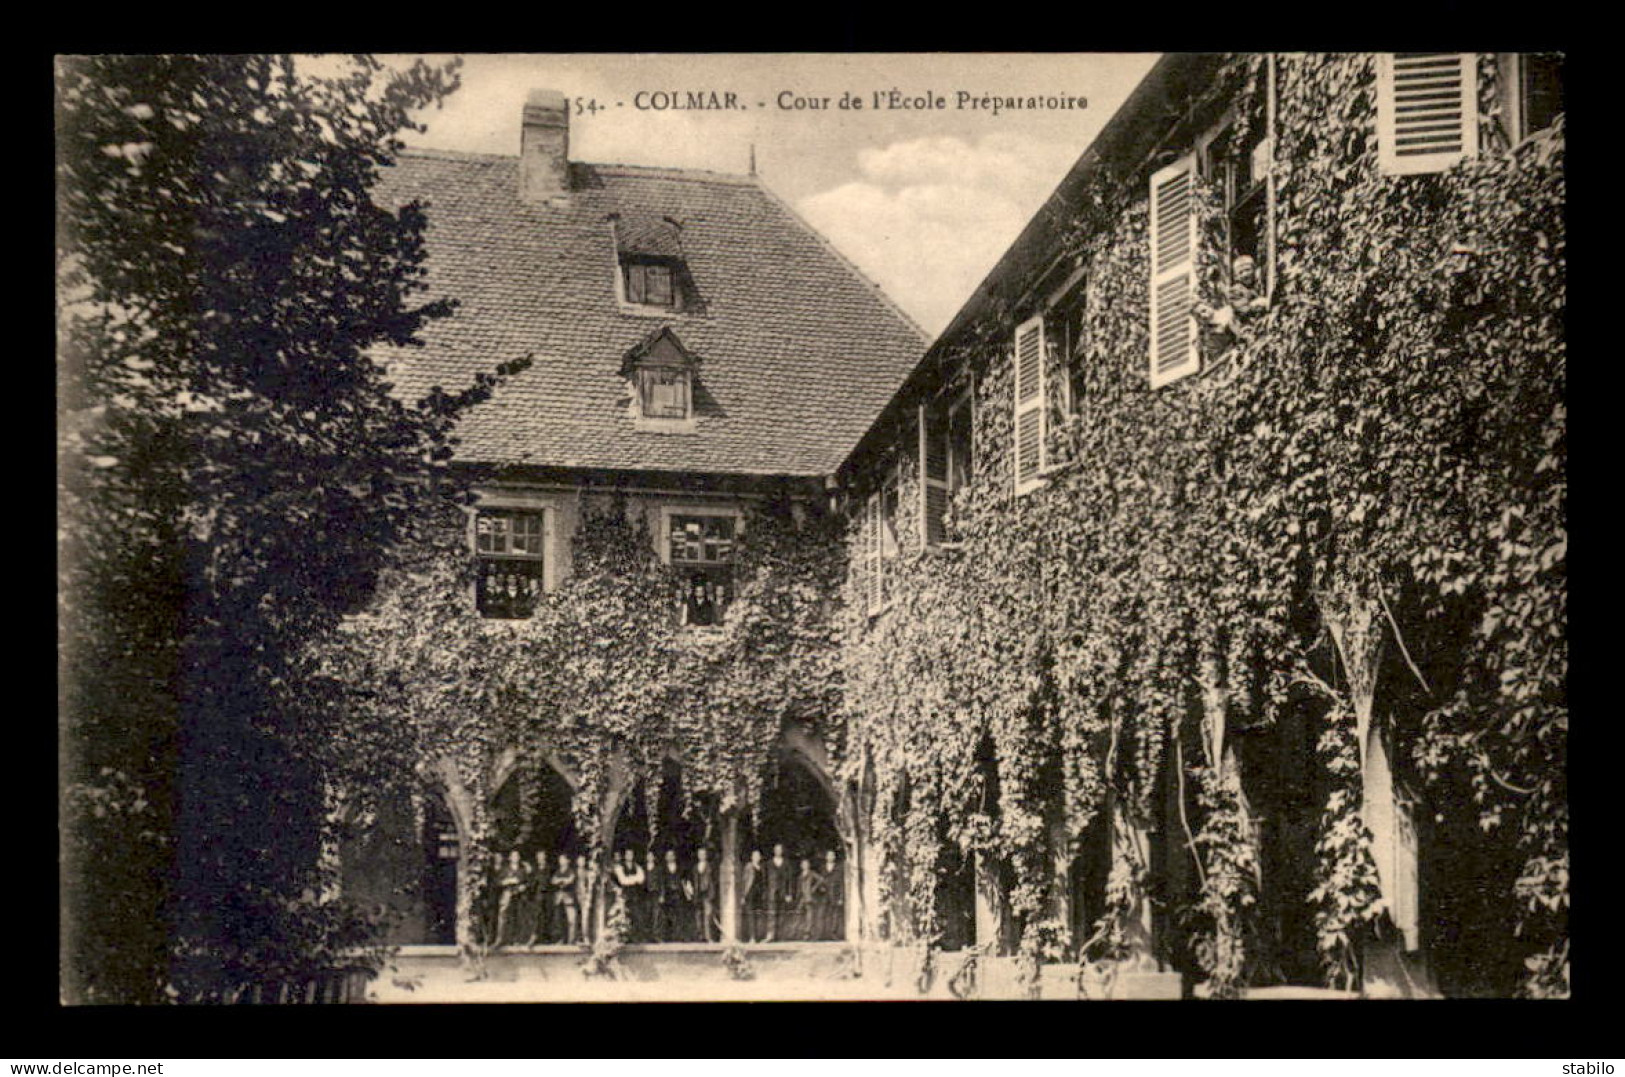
(544, 147)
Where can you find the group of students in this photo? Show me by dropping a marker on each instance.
(554, 901)
(781, 903)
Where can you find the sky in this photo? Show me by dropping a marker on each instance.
(923, 193)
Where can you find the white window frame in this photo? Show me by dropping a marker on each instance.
(663, 536)
(670, 509)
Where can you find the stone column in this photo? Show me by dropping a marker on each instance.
(1357, 628)
(987, 902)
(728, 876)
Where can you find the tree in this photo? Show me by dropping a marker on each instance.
(234, 471)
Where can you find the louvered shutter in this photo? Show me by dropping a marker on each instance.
(875, 584)
(933, 474)
(1029, 438)
(862, 555)
(1174, 336)
(1427, 110)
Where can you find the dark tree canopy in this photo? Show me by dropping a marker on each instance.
(234, 472)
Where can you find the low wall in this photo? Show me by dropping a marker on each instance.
(795, 970)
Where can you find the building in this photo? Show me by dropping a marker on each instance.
(1187, 619)
(698, 351)
(1151, 658)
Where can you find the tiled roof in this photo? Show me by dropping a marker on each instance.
(798, 350)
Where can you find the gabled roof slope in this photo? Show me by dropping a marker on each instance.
(798, 350)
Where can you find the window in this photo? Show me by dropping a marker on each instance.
(945, 461)
(700, 549)
(1029, 403)
(663, 393)
(649, 283)
(1531, 92)
(512, 550)
(1066, 319)
(1427, 110)
(1238, 168)
(660, 375)
(960, 451)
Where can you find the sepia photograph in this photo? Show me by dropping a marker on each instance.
(811, 526)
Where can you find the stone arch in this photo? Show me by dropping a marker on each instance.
(507, 761)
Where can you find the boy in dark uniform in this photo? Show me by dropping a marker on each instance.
(705, 897)
(834, 904)
(803, 924)
(751, 888)
(563, 884)
(779, 882)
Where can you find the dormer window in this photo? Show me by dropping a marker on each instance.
(649, 252)
(661, 376)
(664, 393)
(649, 283)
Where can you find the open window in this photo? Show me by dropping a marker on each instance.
(700, 546)
(511, 545)
(878, 546)
(1531, 90)
(1235, 161)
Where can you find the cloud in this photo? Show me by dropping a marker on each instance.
(932, 215)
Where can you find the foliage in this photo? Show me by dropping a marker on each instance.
(1347, 895)
(1386, 445)
(602, 679)
(737, 962)
(233, 471)
(603, 958)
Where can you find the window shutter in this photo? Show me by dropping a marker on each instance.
(1427, 110)
(1174, 339)
(1029, 429)
(872, 580)
(634, 283)
(933, 474)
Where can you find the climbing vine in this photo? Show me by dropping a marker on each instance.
(602, 678)
(1382, 450)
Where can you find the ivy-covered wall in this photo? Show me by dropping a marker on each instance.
(1331, 567)
(602, 682)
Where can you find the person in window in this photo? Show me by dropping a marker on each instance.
(1244, 302)
(700, 609)
(563, 883)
